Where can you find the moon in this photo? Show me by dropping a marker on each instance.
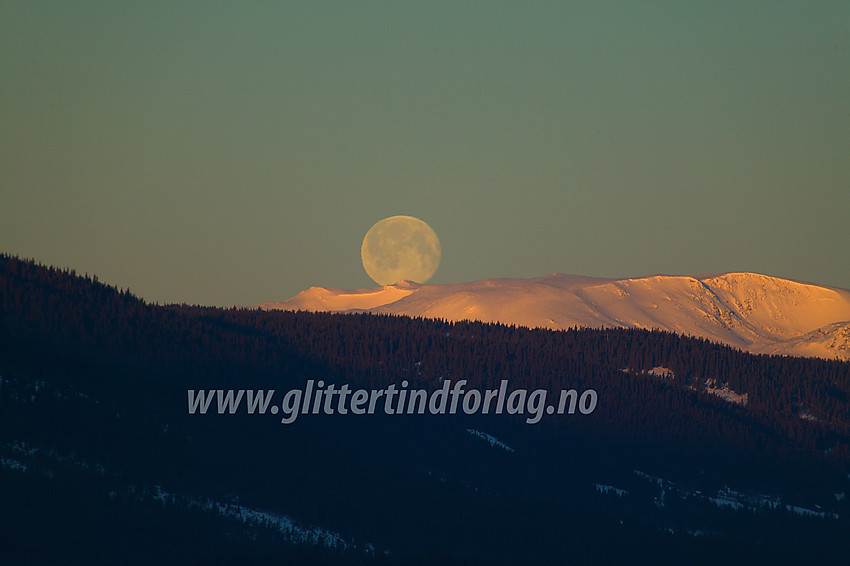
(400, 247)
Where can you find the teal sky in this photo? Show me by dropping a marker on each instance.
(234, 153)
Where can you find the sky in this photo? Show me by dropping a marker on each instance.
(231, 153)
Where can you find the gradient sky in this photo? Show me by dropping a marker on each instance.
(237, 152)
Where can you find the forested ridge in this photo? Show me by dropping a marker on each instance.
(79, 339)
(89, 320)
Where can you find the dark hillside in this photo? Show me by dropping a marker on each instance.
(101, 462)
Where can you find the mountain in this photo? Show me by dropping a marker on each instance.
(752, 312)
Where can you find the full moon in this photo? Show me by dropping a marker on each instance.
(400, 247)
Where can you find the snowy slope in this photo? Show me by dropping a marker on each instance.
(338, 300)
(758, 313)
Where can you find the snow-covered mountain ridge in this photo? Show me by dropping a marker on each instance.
(756, 313)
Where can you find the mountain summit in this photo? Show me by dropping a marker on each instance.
(756, 313)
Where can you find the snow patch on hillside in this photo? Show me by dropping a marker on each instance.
(611, 489)
(47, 462)
(729, 498)
(662, 372)
(11, 464)
(492, 440)
(725, 393)
(282, 523)
(810, 513)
